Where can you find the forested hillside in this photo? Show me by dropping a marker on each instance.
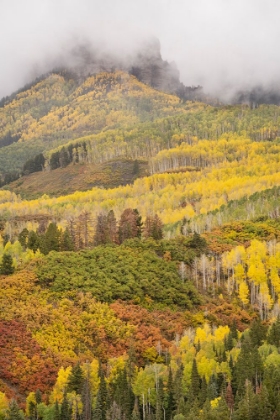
(139, 254)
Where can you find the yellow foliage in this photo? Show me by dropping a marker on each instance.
(214, 403)
(60, 385)
(243, 291)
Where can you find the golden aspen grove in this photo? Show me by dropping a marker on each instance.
(139, 253)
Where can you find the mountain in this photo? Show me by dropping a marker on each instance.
(139, 252)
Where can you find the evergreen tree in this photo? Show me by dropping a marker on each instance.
(229, 344)
(33, 241)
(248, 367)
(159, 414)
(122, 393)
(76, 379)
(101, 230)
(195, 381)
(233, 330)
(212, 388)
(136, 413)
(203, 391)
(153, 227)
(38, 396)
(198, 243)
(257, 333)
(7, 265)
(261, 409)
(23, 238)
(274, 333)
(99, 412)
(13, 412)
(112, 227)
(86, 396)
(246, 404)
(130, 225)
(177, 385)
(56, 415)
(65, 412)
(67, 243)
(170, 400)
(51, 240)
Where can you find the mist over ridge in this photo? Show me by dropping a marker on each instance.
(226, 47)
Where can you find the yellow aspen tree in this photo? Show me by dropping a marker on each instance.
(243, 292)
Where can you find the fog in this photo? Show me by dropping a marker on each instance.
(223, 45)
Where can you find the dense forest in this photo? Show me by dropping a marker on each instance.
(139, 254)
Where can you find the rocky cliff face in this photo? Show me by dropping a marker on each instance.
(146, 64)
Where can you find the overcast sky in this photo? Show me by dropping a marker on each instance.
(215, 43)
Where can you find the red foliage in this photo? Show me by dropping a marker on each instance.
(23, 366)
(151, 327)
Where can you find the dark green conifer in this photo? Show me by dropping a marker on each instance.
(33, 241)
(13, 412)
(67, 243)
(195, 381)
(258, 333)
(51, 240)
(7, 265)
(56, 414)
(23, 237)
(65, 412)
(170, 400)
(99, 412)
(159, 415)
(274, 333)
(76, 379)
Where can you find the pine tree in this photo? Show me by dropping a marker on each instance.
(159, 415)
(130, 225)
(23, 237)
(212, 388)
(122, 393)
(86, 396)
(33, 241)
(112, 227)
(56, 415)
(38, 396)
(67, 243)
(170, 400)
(7, 265)
(136, 413)
(13, 412)
(257, 333)
(177, 384)
(262, 409)
(195, 381)
(203, 391)
(101, 230)
(248, 367)
(99, 412)
(274, 333)
(65, 412)
(76, 379)
(51, 240)
(153, 227)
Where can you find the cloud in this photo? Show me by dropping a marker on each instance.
(224, 45)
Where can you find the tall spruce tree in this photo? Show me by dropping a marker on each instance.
(13, 412)
(6, 266)
(99, 412)
(195, 381)
(65, 412)
(170, 400)
(76, 379)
